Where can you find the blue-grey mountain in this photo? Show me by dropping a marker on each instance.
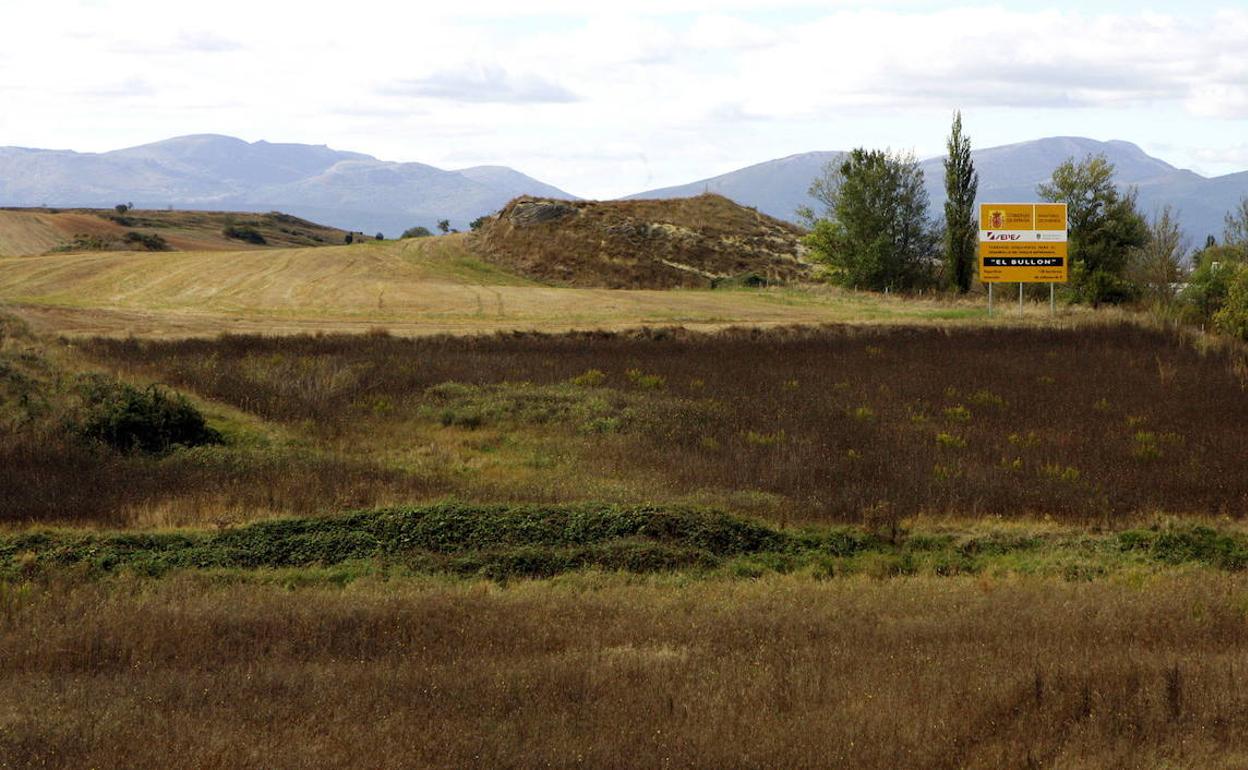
(1006, 173)
(345, 189)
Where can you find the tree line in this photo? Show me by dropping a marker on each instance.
(873, 232)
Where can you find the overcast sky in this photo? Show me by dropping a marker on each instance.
(607, 102)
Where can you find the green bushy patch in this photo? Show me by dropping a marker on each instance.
(149, 420)
(501, 541)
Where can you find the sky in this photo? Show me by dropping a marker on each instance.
(608, 101)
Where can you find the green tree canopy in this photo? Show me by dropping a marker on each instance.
(1105, 227)
(961, 228)
(874, 232)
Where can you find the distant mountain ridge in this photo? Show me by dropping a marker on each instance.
(350, 190)
(1006, 173)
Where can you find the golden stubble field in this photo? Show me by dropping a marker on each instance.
(410, 287)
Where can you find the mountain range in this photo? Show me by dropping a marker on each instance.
(354, 191)
(1009, 173)
(345, 189)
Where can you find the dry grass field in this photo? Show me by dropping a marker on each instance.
(602, 671)
(410, 287)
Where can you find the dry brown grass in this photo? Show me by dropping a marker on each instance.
(816, 424)
(783, 672)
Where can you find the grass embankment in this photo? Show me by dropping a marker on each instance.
(504, 542)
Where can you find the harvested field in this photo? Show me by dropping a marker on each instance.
(411, 287)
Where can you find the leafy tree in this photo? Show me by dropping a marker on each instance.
(1236, 233)
(444, 225)
(381, 236)
(478, 223)
(961, 229)
(121, 208)
(349, 238)
(1105, 226)
(875, 232)
(416, 232)
(1159, 264)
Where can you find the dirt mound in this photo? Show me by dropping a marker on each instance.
(642, 244)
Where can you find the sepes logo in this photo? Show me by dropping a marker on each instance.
(996, 219)
(1003, 236)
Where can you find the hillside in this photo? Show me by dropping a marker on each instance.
(25, 232)
(346, 189)
(1006, 173)
(650, 244)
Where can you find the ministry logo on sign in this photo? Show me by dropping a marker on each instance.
(996, 219)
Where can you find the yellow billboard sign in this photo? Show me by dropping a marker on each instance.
(1023, 243)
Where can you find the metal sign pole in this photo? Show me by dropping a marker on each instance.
(1020, 298)
(990, 299)
(1052, 300)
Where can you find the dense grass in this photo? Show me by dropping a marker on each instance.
(831, 424)
(606, 672)
(505, 542)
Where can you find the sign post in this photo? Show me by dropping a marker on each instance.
(1023, 243)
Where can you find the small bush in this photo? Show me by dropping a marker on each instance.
(863, 413)
(245, 233)
(149, 241)
(646, 381)
(958, 413)
(148, 420)
(1232, 318)
(590, 379)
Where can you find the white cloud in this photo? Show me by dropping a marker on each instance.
(482, 83)
(606, 99)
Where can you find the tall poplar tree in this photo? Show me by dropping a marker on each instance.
(961, 229)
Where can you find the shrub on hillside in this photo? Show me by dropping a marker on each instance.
(417, 232)
(245, 233)
(148, 420)
(149, 241)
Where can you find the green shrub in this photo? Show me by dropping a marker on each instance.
(148, 420)
(1210, 283)
(590, 379)
(646, 381)
(149, 241)
(245, 233)
(1232, 317)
